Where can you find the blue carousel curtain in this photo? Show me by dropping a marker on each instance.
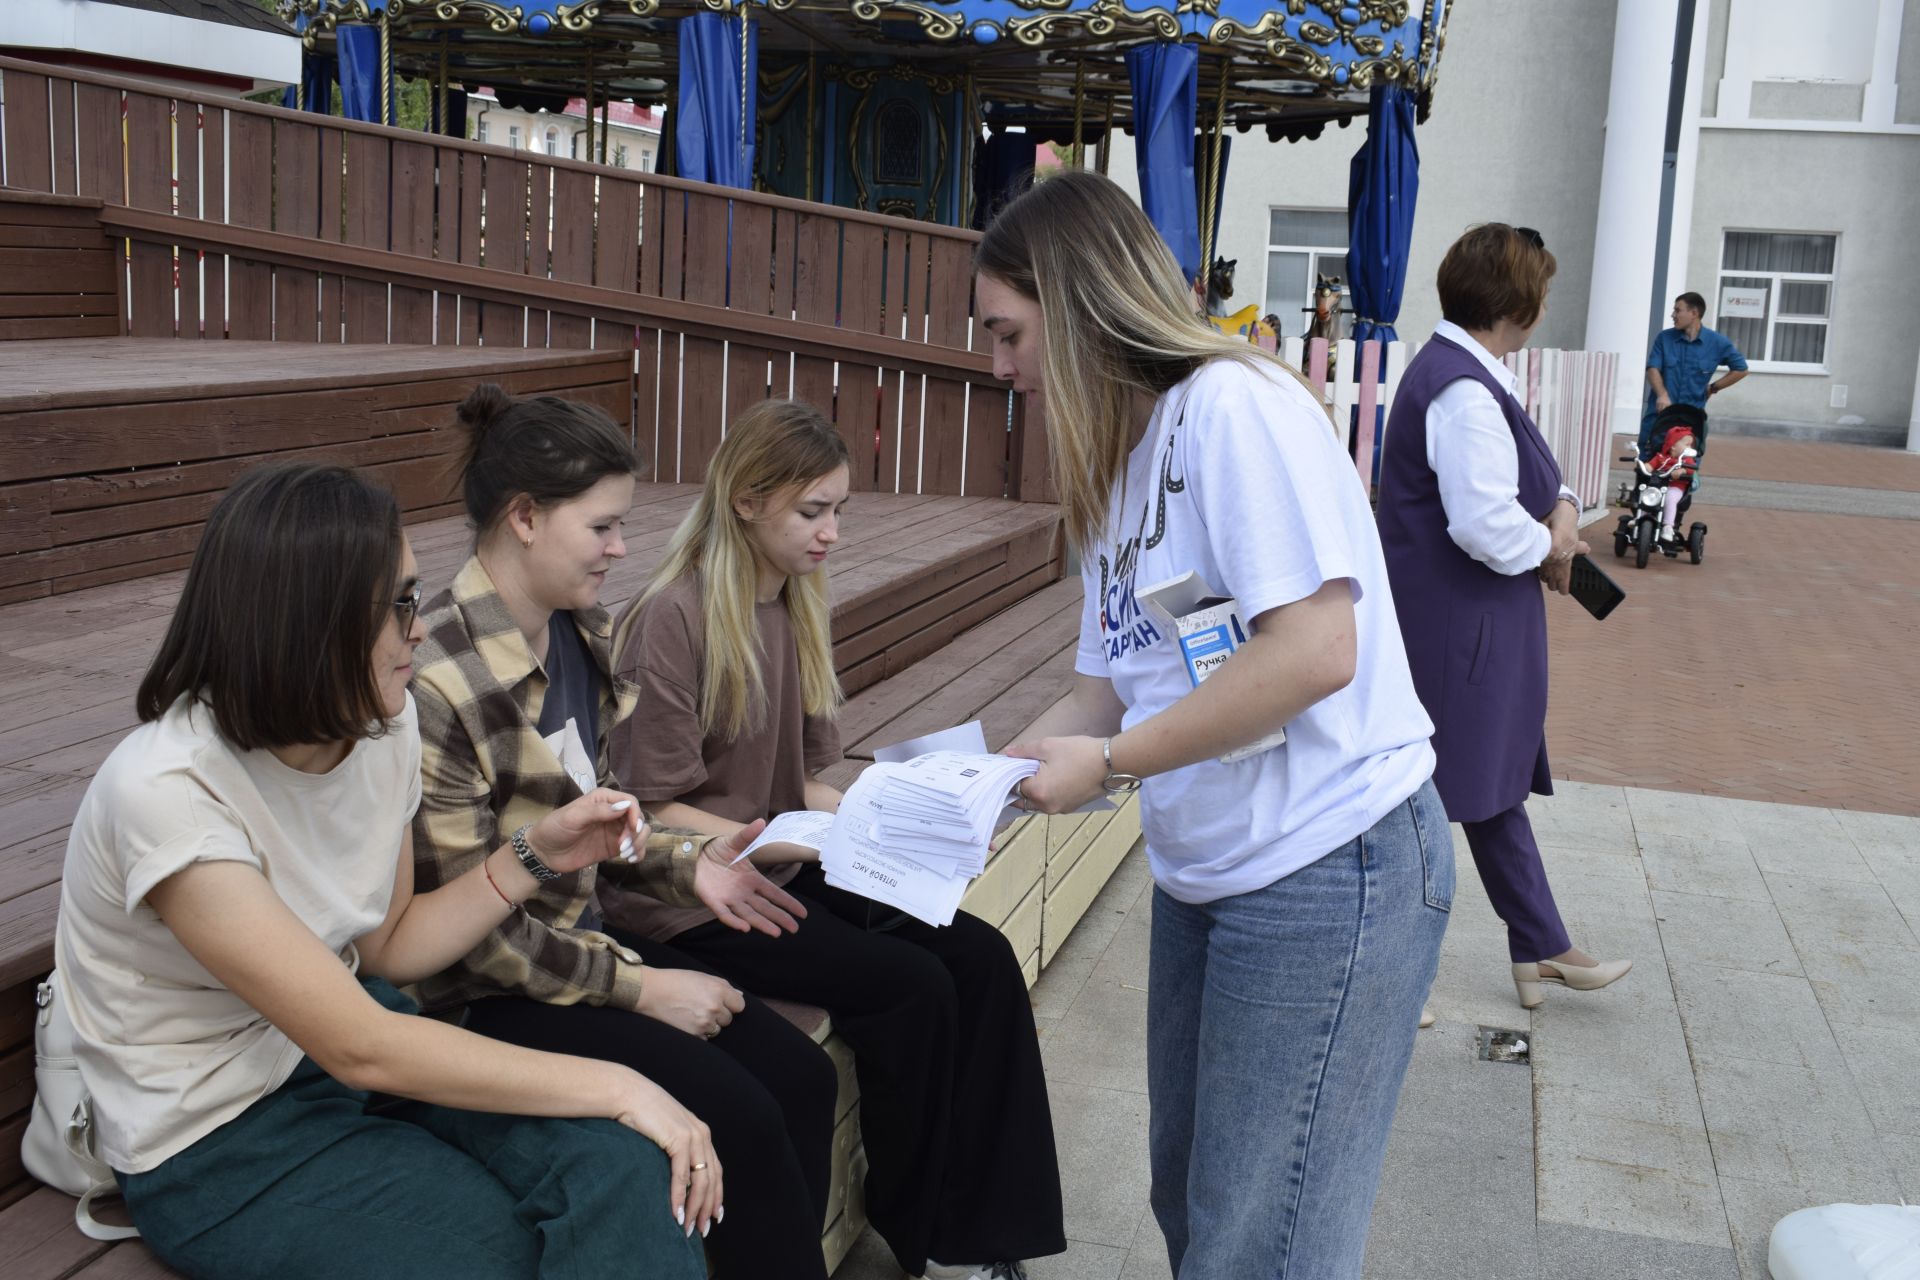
(1382, 187)
(317, 74)
(359, 47)
(709, 145)
(316, 82)
(1166, 88)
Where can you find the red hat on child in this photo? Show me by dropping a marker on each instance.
(1674, 434)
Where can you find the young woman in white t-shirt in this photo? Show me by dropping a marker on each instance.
(1301, 890)
(237, 907)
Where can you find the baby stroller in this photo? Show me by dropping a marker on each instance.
(1644, 494)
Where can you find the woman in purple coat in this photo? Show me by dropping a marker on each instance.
(1473, 518)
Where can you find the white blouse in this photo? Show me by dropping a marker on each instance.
(1470, 448)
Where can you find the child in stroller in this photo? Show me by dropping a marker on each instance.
(1677, 462)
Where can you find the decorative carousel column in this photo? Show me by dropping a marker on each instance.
(1627, 225)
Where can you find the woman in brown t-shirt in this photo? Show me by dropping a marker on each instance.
(729, 648)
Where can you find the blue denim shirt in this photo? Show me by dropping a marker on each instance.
(1688, 365)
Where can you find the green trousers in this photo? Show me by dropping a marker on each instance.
(320, 1180)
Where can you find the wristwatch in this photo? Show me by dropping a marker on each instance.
(1116, 783)
(529, 859)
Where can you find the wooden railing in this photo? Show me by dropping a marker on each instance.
(866, 317)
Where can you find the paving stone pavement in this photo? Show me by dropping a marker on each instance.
(1809, 462)
(1758, 1059)
(1782, 667)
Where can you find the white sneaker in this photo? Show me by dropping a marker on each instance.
(1666, 533)
(978, 1271)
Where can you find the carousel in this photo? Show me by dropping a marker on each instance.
(934, 109)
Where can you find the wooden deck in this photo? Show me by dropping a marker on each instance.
(114, 449)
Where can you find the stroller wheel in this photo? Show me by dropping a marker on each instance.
(1619, 543)
(1697, 542)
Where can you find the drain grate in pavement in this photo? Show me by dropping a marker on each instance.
(1497, 1045)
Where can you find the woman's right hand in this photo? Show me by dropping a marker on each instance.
(599, 825)
(697, 1003)
(696, 1194)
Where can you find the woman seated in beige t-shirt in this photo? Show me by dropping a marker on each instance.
(730, 653)
(237, 904)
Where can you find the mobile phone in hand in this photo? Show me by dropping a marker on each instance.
(1598, 594)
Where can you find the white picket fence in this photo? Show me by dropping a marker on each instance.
(1568, 394)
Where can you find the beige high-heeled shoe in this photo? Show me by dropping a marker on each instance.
(1527, 978)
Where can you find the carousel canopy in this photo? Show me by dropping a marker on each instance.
(1054, 67)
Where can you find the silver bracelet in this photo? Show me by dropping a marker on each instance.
(1115, 783)
(529, 859)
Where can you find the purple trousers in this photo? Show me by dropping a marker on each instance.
(1516, 882)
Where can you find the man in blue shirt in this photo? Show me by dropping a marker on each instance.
(1681, 366)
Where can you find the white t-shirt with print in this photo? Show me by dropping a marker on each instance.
(168, 1054)
(1254, 493)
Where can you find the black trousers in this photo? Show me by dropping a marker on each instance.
(763, 1088)
(953, 1103)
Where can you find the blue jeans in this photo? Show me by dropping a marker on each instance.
(1279, 1026)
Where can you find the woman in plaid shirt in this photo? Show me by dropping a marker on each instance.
(516, 698)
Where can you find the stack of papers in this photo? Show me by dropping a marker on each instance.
(913, 835)
(913, 830)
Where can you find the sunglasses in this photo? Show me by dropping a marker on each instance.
(1531, 236)
(406, 609)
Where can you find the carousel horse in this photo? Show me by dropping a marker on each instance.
(1326, 319)
(1244, 323)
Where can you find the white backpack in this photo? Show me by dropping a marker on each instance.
(59, 1145)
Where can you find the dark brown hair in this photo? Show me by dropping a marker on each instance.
(289, 588)
(1694, 300)
(1495, 272)
(545, 447)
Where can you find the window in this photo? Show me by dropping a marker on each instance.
(646, 159)
(620, 155)
(1776, 296)
(553, 142)
(897, 143)
(513, 136)
(1302, 244)
(483, 132)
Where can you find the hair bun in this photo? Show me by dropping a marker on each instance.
(483, 407)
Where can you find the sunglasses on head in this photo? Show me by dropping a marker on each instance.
(1531, 236)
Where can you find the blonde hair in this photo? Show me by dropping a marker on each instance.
(772, 451)
(1117, 318)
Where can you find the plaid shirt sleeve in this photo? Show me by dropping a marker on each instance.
(535, 952)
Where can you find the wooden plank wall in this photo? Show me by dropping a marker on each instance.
(88, 501)
(247, 165)
(58, 273)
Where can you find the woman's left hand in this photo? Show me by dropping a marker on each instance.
(737, 894)
(1072, 771)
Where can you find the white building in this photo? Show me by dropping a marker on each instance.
(1796, 181)
(213, 46)
(633, 133)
